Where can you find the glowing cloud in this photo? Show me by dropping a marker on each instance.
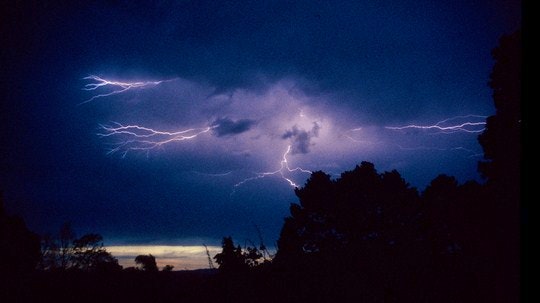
(283, 121)
(301, 138)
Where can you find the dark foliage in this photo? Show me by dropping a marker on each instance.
(501, 140)
(19, 247)
(235, 259)
(168, 268)
(89, 255)
(19, 253)
(66, 252)
(364, 232)
(502, 146)
(147, 263)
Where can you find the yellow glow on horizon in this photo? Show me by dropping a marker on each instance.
(180, 256)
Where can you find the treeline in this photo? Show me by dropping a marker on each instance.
(66, 252)
(23, 251)
(66, 268)
(370, 237)
(87, 253)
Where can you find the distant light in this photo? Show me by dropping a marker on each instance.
(180, 256)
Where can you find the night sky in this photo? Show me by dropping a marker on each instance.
(205, 100)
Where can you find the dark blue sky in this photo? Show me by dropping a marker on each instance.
(252, 78)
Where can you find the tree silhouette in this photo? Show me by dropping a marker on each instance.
(364, 225)
(168, 268)
(57, 251)
(49, 253)
(441, 212)
(501, 142)
(501, 139)
(88, 254)
(235, 259)
(230, 259)
(66, 237)
(372, 237)
(252, 256)
(19, 247)
(147, 263)
(66, 252)
(19, 255)
(457, 225)
(361, 208)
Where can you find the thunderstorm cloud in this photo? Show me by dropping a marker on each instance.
(301, 138)
(228, 127)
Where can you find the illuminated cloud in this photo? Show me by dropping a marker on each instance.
(283, 117)
(301, 139)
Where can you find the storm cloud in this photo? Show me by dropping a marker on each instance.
(228, 127)
(301, 138)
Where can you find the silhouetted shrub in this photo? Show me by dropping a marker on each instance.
(146, 263)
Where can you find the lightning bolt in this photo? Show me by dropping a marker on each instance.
(464, 124)
(283, 167)
(119, 87)
(447, 127)
(140, 138)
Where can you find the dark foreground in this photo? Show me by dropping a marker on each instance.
(264, 285)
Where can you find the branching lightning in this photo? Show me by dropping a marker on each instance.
(119, 87)
(448, 126)
(283, 168)
(140, 138)
(136, 137)
(459, 124)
